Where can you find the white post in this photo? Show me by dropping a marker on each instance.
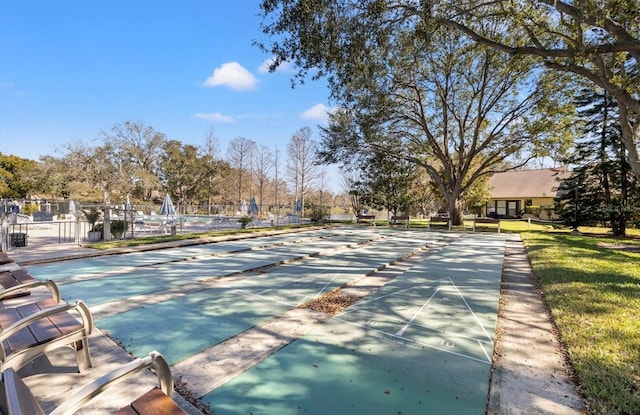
(106, 226)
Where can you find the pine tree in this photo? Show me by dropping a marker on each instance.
(598, 190)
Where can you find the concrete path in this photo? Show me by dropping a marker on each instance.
(530, 375)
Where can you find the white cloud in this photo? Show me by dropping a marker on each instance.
(232, 75)
(318, 112)
(215, 116)
(283, 67)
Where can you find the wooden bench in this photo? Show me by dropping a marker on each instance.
(35, 328)
(19, 290)
(486, 221)
(400, 218)
(14, 278)
(369, 219)
(439, 222)
(5, 259)
(157, 401)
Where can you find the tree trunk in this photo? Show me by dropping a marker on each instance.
(454, 207)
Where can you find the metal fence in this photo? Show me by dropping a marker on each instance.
(17, 235)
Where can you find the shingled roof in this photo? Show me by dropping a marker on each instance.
(526, 184)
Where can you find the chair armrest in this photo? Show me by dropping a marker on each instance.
(55, 292)
(24, 322)
(93, 389)
(18, 398)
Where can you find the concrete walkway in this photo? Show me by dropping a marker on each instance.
(529, 375)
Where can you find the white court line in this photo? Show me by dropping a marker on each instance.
(406, 326)
(357, 307)
(422, 326)
(471, 311)
(453, 285)
(335, 275)
(424, 344)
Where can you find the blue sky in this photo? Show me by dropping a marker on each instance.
(71, 69)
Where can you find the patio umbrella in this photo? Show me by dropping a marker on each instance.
(167, 208)
(72, 208)
(253, 206)
(243, 207)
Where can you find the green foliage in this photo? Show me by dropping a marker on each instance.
(185, 172)
(317, 213)
(29, 209)
(118, 227)
(592, 291)
(92, 216)
(602, 189)
(468, 122)
(16, 176)
(389, 183)
(534, 210)
(245, 220)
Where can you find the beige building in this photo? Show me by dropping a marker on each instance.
(513, 191)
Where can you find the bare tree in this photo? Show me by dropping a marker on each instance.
(262, 166)
(211, 151)
(239, 156)
(302, 168)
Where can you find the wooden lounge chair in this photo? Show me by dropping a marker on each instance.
(22, 288)
(5, 259)
(18, 399)
(13, 278)
(32, 329)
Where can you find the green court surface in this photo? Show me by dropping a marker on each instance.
(101, 280)
(88, 267)
(422, 344)
(188, 324)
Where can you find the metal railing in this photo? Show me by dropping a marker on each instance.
(36, 234)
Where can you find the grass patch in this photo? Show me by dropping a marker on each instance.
(594, 295)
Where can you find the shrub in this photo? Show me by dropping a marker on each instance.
(116, 227)
(92, 215)
(244, 221)
(318, 213)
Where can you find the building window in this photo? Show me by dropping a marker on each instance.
(501, 207)
(509, 208)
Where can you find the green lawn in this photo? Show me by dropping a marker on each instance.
(594, 296)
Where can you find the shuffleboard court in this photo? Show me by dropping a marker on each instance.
(421, 344)
(119, 283)
(125, 263)
(188, 324)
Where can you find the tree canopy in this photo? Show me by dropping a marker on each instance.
(595, 40)
(457, 109)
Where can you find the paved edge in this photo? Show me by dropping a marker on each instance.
(530, 374)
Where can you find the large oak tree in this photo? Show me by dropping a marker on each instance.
(595, 40)
(458, 109)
